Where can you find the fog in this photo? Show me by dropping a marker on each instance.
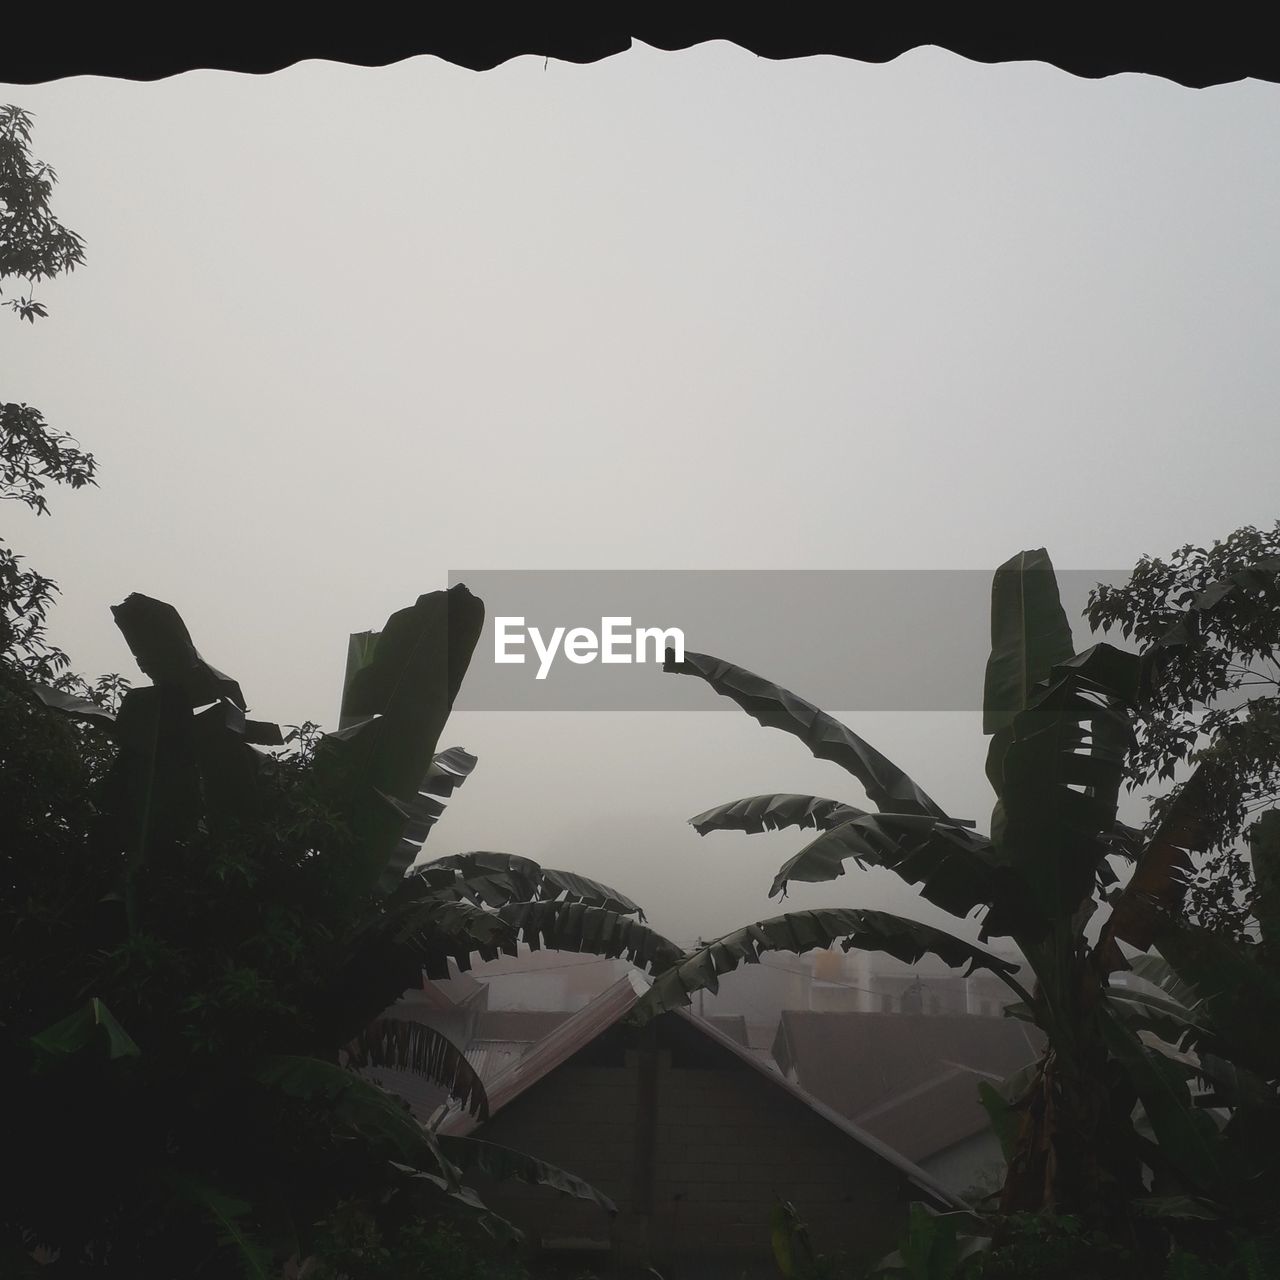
(341, 331)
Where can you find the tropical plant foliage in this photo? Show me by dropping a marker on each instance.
(207, 920)
(1061, 730)
(1209, 622)
(33, 246)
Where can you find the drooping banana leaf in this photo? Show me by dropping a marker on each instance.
(954, 867)
(176, 768)
(1264, 853)
(1239, 993)
(151, 795)
(92, 1023)
(1030, 635)
(161, 645)
(1060, 781)
(755, 814)
(1234, 1086)
(474, 1155)
(394, 709)
(887, 786)
(450, 768)
(1159, 880)
(1178, 1209)
(1187, 1137)
(801, 931)
(459, 1198)
(229, 1213)
(359, 1106)
(1157, 971)
(496, 879)
(1172, 1022)
(397, 1044)
(360, 650)
(71, 705)
(575, 926)
(416, 932)
(447, 925)
(1004, 1119)
(1003, 1103)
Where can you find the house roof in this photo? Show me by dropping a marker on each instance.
(502, 1037)
(517, 1024)
(580, 1029)
(910, 1079)
(1188, 48)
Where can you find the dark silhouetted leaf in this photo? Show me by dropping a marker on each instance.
(400, 691)
(886, 785)
(954, 867)
(473, 1155)
(496, 879)
(1159, 880)
(70, 705)
(575, 926)
(801, 931)
(91, 1024)
(395, 1044)
(755, 814)
(161, 645)
(1030, 635)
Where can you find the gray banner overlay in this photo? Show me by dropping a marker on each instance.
(848, 640)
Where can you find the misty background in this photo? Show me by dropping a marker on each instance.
(341, 331)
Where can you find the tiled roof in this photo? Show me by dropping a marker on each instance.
(579, 1030)
(910, 1079)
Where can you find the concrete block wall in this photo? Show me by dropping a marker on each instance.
(726, 1144)
(730, 1144)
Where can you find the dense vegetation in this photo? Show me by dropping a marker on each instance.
(204, 920)
(1116, 1127)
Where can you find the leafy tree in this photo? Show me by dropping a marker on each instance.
(34, 246)
(1210, 620)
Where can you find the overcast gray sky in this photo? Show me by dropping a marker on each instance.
(342, 330)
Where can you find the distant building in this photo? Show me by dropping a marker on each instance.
(543, 981)
(694, 1137)
(833, 981)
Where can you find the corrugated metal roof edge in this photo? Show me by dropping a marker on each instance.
(614, 1003)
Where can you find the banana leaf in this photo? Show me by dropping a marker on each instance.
(955, 868)
(474, 1155)
(394, 708)
(575, 926)
(777, 708)
(497, 879)
(755, 814)
(801, 931)
(414, 1048)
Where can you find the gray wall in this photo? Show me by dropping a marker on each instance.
(726, 1143)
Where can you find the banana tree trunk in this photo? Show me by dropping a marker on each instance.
(1073, 1152)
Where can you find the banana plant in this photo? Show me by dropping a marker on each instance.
(1060, 724)
(240, 1102)
(1211, 1004)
